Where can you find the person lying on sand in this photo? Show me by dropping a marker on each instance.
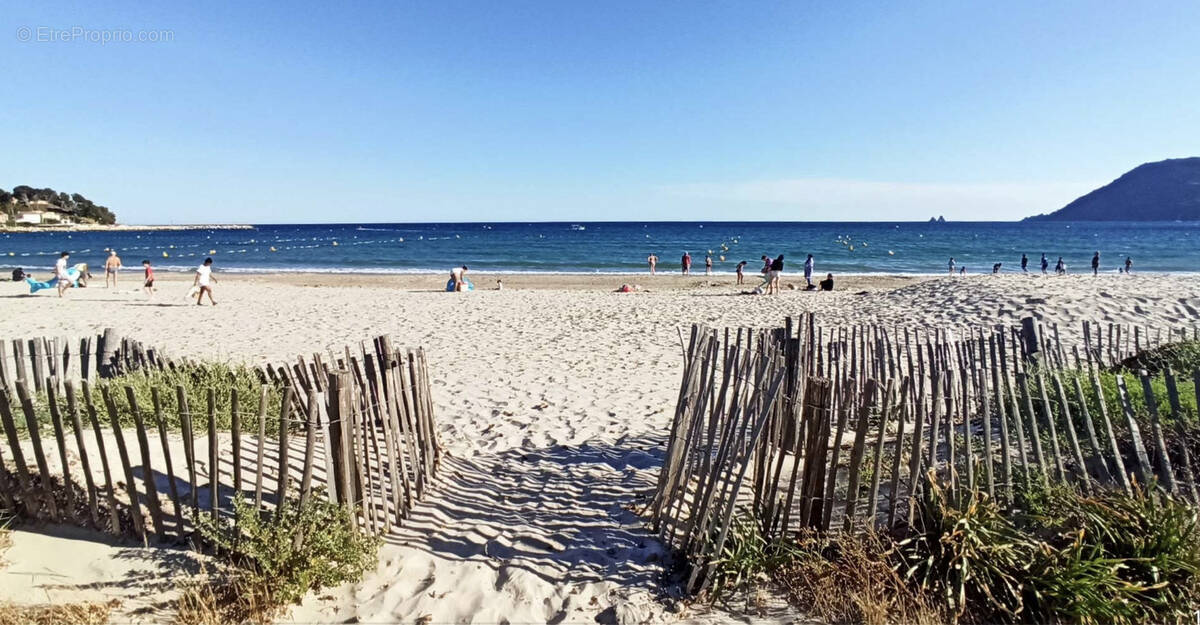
(628, 288)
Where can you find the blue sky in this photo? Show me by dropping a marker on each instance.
(488, 111)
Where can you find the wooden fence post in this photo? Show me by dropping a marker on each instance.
(340, 441)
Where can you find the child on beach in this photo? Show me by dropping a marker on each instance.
(708, 264)
(203, 280)
(60, 272)
(148, 285)
(741, 278)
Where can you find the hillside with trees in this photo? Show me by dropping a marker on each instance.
(80, 209)
(1162, 191)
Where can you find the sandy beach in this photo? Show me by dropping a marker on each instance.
(552, 398)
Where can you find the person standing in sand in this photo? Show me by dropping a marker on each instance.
(111, 266)
(708, 264)
(149, 278)
(1045, 263)
(204, 281)
(652, 260)
(1128, 264)
(741, 277)
(808, 271)
(1096, 264)
(687, 264)
(774, 275)
(1024, 264)
(951, 264)
(60, 272)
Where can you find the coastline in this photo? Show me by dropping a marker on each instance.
(123, 227)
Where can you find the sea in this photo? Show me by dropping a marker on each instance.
(622, 247)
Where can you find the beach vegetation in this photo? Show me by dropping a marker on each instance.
(86, 613)
(194, 377)
(24, 197)
(266, 562)
(1055, 555)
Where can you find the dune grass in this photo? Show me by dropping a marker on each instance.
(57, 614)
(1058, 556)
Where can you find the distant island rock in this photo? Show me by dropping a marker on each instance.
(1163, 191)
(940, 219)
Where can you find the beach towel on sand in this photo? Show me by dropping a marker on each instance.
(35, 286)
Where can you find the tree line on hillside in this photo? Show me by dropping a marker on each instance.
(23, 197)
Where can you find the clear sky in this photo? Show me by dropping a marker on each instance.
(504, 110)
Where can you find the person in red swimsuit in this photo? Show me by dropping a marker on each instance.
(148, 285)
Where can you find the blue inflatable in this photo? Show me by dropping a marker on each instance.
(450, 285)
(35, 286)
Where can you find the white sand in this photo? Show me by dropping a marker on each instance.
(552, 402)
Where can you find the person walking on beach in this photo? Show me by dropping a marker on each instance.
(741, 277)
(1024, 264)
(708, 264)
(204, 281)
(952, 265)
(808, 271)
(652, 260)
(1060, 267)
(775, 274)
(111, 265)
(1128, 264)
(766, 268)
(60, 272)
(1096, 264)
(149, 278)
(686, 261)
(1045, 263)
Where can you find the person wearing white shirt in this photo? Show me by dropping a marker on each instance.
(60, 272)
(204, 280)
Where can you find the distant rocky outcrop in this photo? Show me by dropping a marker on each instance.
(1163, 191)
(940, 219)
(30, 205)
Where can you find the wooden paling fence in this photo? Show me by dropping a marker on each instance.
(104, 355)
(840, 428)
(362, 432)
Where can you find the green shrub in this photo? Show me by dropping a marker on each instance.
(1119, 558)
(296, 548)
(269, 561)
(1183, 356)
(1060, 557)
(196, 378)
